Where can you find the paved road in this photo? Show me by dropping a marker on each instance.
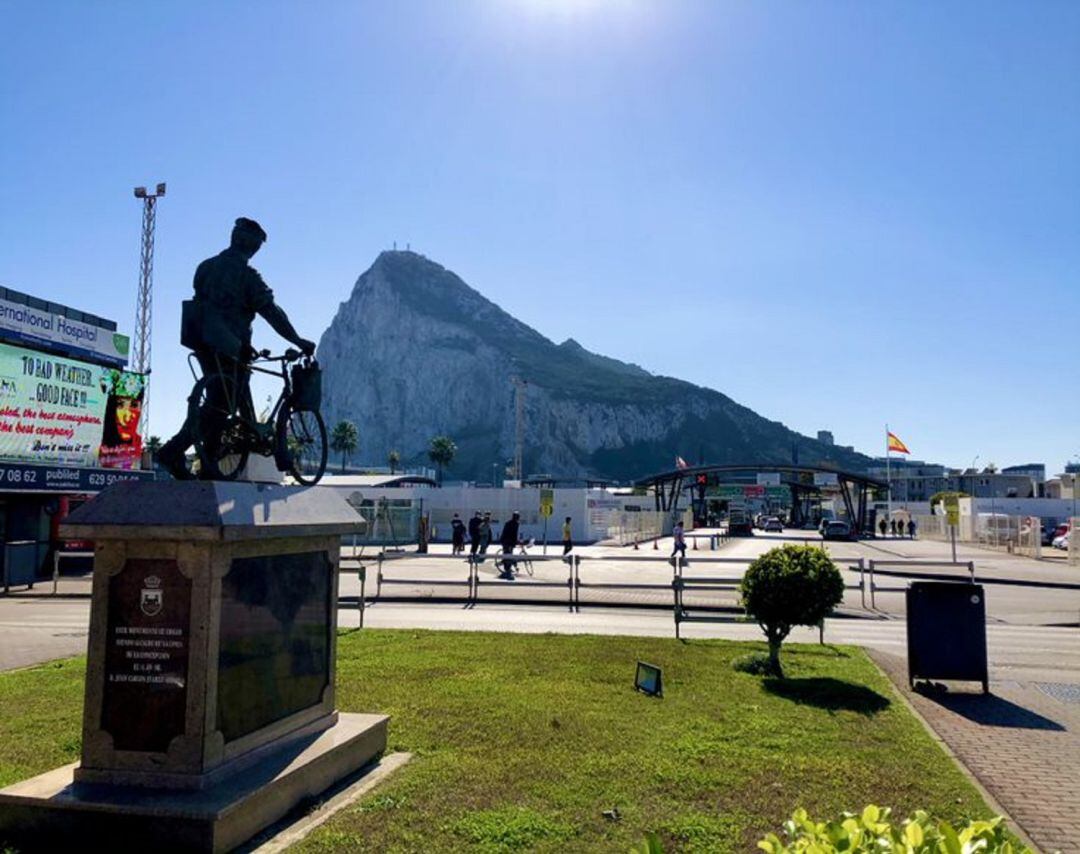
(1032, 633)
(1006, 603)
(1014, 604)
(36, 626)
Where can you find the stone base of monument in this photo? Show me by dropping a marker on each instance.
(52, 810)
(209, 710)
(260, 469)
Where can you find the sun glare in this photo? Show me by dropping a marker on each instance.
(569, 11)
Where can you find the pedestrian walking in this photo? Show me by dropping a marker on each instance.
(567, 537)
(508, 540)
(484, 535)
(457, 535)
(911, 527)
(474, 533)
(892, 527)
(680, 542)
(882, 526)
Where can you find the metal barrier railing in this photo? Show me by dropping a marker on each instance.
(715, 539)
(880, 567)
(61, 553)
(384, 561)
(678, 586)
(617, 585)
(527, 581)
(472, 582)
(681, 583)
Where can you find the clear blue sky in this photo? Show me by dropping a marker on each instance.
(837, 213)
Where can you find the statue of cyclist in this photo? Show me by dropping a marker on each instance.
(229, 292)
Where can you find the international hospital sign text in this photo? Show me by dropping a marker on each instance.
(36, 326)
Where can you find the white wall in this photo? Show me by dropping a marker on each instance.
(1044, 508)
(589, 509)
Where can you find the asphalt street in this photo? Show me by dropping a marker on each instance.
(1033, 630)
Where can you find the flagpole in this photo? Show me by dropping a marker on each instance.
(888, 477)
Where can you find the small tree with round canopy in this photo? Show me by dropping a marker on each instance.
(787, 587)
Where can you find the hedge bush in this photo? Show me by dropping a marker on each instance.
(874, 832)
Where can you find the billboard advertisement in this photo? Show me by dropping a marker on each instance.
(57, 329)
(60, 411)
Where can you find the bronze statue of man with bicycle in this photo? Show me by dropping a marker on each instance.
(221, 422)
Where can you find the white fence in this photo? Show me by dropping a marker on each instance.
(627, 527)
(998, 531)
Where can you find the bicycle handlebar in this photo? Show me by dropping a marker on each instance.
(290, 355)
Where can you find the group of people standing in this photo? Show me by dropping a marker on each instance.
(479, 535)
(896, 527)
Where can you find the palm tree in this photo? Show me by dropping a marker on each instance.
(441, 452)
(153, 445)
(394, 457)
(344, 438)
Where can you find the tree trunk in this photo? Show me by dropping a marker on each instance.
(774, 655)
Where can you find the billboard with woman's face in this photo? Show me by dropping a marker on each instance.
(60, 411)
(121, 443)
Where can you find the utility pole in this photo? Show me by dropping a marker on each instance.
(519, 425)
(144, 309)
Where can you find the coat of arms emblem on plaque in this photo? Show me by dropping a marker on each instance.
(152, 597)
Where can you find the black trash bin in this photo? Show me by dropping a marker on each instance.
(946, 632)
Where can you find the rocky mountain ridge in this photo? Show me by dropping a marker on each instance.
(415, 352)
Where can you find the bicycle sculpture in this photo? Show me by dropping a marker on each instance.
(227, 432)
(221, 421)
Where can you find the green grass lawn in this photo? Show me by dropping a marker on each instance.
(521, 742)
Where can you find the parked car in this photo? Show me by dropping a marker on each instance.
(1049, 532)
(836, 530)
(1061, 542)
(773, 524)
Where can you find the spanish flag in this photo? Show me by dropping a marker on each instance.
(895, 444)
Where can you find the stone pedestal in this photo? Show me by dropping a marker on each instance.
(210, 675)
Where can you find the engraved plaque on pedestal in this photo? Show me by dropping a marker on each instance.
(146, 655)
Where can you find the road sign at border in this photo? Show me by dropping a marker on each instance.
(952, 510)
(547, 502)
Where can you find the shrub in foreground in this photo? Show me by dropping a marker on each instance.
(787, 587)
(874, 832)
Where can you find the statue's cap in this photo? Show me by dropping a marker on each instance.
(250, 227)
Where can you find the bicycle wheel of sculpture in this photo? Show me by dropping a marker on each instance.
(301, 444)
(220, 434)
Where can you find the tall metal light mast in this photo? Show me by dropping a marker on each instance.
(144, 309)
(519, 425)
